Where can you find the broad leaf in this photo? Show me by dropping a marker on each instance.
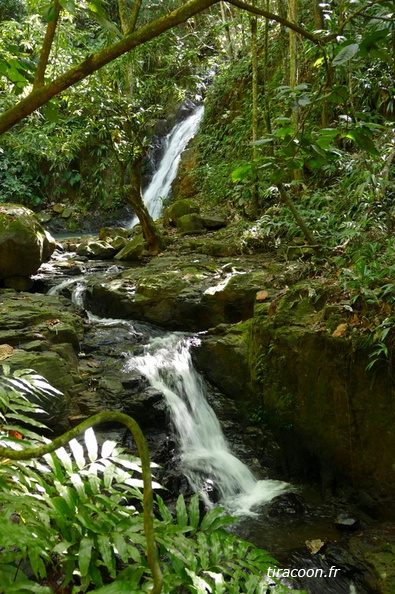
(345, 54)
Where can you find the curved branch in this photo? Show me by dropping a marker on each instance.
(130, 423)
(42, 95)
(275, 17)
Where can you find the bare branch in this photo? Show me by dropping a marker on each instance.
(275, 17)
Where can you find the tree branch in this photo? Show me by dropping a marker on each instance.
(275, 17)
(134, 16)
(46, 48)
(42, 95)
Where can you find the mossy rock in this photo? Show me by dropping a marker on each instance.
(190, 224)
(181, 208)
(133, 250)
(24, 244)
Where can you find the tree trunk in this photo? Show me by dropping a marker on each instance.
(318, 16)
(46, 48)
(286, 198)
(293, 57)
(266, 98)
(254, 114)
(133, 197)
(227, 30)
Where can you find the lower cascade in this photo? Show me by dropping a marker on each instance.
(206, 458)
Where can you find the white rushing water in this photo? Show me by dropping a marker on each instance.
(174, 144)
(205, 453)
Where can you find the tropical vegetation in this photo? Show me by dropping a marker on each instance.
(297, 146)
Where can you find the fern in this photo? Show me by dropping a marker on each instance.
(76, 514)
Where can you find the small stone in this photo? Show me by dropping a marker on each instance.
(261, 296)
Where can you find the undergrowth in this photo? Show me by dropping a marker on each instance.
(71, 520)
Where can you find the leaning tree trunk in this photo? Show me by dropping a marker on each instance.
(132, 195)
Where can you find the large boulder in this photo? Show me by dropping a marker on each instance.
(24, 244)
(180, 208)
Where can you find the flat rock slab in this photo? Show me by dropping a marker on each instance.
(189, 294)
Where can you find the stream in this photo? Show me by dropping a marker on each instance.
(203, 447)
(210, 453)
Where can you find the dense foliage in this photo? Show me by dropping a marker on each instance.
(76, 519)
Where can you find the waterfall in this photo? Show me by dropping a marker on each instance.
(175, 143)
(205, 453)
(206, 458)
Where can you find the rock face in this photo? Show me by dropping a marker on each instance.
(24, 244)
(43, 333)
(295, 361)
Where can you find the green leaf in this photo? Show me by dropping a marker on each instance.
(79, 486)
(194, 511)
(48, 12)
(345, 54)
(210, 516)
(65, 459)
(107, 554)
(118, 588)
(108, 475)
(103, 21)
(363, 141)
(51, 112)
(53, 462)
(241, 172)
(164, 510)
(78, 453)
(69, 5)
(108, 448)
(181, 511)
(120, 545)
(85, 555)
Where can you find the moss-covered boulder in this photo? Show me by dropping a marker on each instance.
(181, 294)
(190, 224)
(181, 208)
(24, 244)
(133, 250)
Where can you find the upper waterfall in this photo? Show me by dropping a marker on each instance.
(174, 144)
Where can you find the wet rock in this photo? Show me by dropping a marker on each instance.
(94, 249)
(347, 523)
(24, 244)
(148, 408)
(45, 335)
(211, 490)
(107, 233)
(215, 354)
(287, 504)
(177, 294)
(19, 283)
